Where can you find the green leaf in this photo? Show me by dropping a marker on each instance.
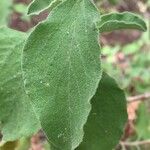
(9, 146)
(47, 146)
(106, 121)
(117, 21)
(21, 144)
(16, 116)
(39, 5)
(20, 8)
(143, 121)
(24, 143)
(61, 63)
(4, 11)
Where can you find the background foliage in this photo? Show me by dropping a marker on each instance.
(126, 56)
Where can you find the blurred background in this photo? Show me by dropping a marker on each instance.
(125, 56)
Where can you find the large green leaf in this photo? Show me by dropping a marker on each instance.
(38, 5)
(62, 70)
(107, 118)
(16, 116)
(117, 21)
(4, 11)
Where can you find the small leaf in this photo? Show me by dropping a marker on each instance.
(9, 146)
(106, 121)
(20, 8)
(17, 118)
(39, 5)
(21, 144)
(143, 121)
(24, 143)
(4, 11)
(117, 21)
(61, 63)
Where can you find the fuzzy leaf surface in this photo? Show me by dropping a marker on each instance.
(106, 121)
(16, 116)
(117, 21)
(62, 70)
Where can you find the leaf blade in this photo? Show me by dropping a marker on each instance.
(4, 11)
(38, 6)
(143, 121)
(107, 118)
(15, 109)
(60, 93)
(117, 21)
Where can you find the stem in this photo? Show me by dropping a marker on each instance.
(136, 143)
(141, 97)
